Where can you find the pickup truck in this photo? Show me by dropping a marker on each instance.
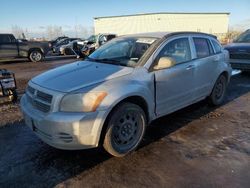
(239, 52)
(10, 47)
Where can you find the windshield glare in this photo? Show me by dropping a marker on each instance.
(124, 51)
(244, 37)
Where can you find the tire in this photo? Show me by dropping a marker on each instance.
(36, 56)
(126, 128)
(218, 94)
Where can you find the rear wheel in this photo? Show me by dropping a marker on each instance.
(36, 56)
(218, 94)
(125, 130)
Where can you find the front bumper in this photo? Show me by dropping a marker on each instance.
(242, 64)
(63, 130)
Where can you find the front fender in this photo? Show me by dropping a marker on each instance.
(134, 89)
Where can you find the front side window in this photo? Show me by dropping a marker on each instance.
(123, 51)
(203, 47)
(178, 50)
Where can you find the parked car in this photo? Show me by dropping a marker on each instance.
(10, 47)
(56, 47)
(94, 42)
(67, 49)
(83, 48)
(109, 98)
(240, 52)
(56, 40)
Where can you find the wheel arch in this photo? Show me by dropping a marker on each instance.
(135, 99)
(33, 49)
(226, 74)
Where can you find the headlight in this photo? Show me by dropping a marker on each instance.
(82, 102)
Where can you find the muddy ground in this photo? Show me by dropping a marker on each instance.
(24, 71)
(199, 146)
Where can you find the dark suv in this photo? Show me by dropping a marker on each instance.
(240, 52)
(10, 47)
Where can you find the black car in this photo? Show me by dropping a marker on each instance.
(56, 47)
(239, 52)
(10, 47)
(56, 40)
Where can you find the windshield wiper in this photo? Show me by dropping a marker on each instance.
(109, 60)
(106, 60)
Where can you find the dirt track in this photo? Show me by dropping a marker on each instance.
(199, 146)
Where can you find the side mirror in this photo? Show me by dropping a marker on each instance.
(164, 62)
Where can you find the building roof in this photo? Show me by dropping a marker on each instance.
(227, 13)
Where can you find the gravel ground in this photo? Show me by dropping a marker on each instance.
(198, 146)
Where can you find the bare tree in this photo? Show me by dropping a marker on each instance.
(17, 31)
(233, 33)
(54, 31)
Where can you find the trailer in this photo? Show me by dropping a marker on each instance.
(8, 85)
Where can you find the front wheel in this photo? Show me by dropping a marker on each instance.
(36, 56)
(218, 94)
(125, 130)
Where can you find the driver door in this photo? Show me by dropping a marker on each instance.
(175, 85)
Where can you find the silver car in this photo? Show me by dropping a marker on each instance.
(109, 98)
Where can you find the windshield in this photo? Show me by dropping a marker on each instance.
(124, 51)
(244, 37)
(92, 38)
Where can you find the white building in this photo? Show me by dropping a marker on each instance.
(213, 23)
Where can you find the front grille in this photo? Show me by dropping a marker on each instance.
(44, 96)
(38, 99)
(241, 66)
(240, 56)
(41, 106)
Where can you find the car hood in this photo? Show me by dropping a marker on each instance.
(238, 47)
(78, 75)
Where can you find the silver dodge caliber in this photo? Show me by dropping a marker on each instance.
(109, 98)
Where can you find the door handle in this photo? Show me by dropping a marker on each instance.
(189, 67)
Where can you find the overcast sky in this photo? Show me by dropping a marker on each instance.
(36, 15)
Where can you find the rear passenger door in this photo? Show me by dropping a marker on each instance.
(8, 46)
(205, 66)
(174, 86)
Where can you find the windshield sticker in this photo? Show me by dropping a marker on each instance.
(146, 41)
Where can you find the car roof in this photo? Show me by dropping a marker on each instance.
(167, 34)
(150, 34)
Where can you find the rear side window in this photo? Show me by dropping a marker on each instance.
(4, 39)
(178, 49)
(217, 46)
(203, 47)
